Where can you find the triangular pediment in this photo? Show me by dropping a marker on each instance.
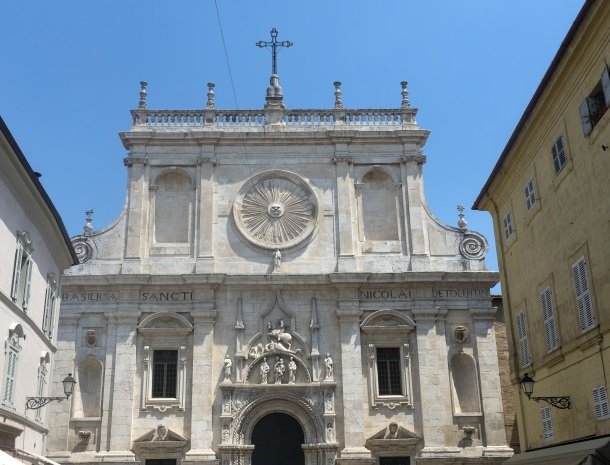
(393, 438)
(161, 439)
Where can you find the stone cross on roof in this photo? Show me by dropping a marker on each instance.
(274, 44)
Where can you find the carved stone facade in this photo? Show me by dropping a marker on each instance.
(279, 262)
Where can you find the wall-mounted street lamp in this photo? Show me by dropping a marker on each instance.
(34, 403)
(527, 385)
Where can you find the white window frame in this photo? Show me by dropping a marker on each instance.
(12, 350)
(584, 299)
(600, 403)
(50, 303)
(22, 271)
(547, 422)
(524, 346)
(530, 195)
(551, 335)
(157, 336)
(395, 335)
(559, 155)
(508, 225)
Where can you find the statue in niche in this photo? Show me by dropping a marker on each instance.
(277, 260)
(328, 363)
(264, 371)
(280, 369)
(228, 365)
(292, 370)
(225, 434)
(328, 404)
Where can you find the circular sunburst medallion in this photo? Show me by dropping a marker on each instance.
(275, 210)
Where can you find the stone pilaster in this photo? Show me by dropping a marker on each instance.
(345, 209)
(207, 213)
(354, 400)
(202, 393)
(434, 386)
(137, 208)
(411, 174)
(489, 373)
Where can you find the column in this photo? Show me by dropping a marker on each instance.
(354, 400)
(434, 386)
(489, 374)
(202, 397)
(345, 210)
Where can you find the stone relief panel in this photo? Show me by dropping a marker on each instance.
(276, 210)
(173, 197)
(378, 199)
(473, 246)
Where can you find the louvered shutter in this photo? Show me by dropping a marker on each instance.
(600, 403)
(584, 303)
(16, 273)
(28, 282)
(550, 329)
(547, 422)
(585, 117)
(9, 378)
(606, 85)
(523, 341)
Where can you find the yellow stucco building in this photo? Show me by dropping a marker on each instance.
(549, 196)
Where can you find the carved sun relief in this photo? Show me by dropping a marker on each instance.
(275, 211)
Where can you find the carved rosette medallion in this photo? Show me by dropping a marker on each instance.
(276, 210)
(473, 246)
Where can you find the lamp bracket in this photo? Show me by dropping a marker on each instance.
(560, 402)
(34, 403)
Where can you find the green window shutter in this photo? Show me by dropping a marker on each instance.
(16, 272)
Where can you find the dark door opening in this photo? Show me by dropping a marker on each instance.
(277, 440)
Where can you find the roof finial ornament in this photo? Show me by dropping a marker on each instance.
(142, 103)
(210, 104)
(338, 95)
(405, 96)
(462, 223)
(274, 44)
(88, 227)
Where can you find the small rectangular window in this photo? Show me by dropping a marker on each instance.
(583, 295)
(547, 422)
(548, 315)
(508, 225)
(388, 371)
(530, 195)
(560, 158)
(394, 460)
(523, 340)
(160, 461)
(593, 108)
(165, 371)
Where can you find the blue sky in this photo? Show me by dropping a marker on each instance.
(71, 70)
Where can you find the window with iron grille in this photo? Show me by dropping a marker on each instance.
(548, 315)
(165, 373)
(530, 195)
(547, 422)
(388, 371)
(560, 157)
(600, 403)
(584, 302)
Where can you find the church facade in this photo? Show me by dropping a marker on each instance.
(276, 290)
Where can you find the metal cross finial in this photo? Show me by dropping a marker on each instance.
(274, 44)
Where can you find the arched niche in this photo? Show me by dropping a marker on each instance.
(88, 389)
(172, 200)
(379, 202)
(465, 385)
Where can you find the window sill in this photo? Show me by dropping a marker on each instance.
(559, 177)
(553, 358)
(531, 214)
(162, 405)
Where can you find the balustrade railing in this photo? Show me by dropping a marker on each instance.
(297, 119)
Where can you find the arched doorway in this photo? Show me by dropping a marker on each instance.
(277, 440)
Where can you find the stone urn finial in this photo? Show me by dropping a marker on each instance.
(405, 96)
(143, 94)
(338, 95)
(88, 227)
(462, 223)
(210, 104)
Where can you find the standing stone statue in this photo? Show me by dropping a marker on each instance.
(328, 363)
(279, 368)
(277, 260)
(292, 370)
(264, 371)
(228, 365)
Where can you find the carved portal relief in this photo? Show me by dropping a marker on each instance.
(276, 210)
